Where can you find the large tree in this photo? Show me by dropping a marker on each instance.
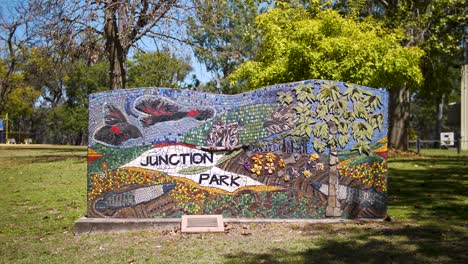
(224, 35)
(116, 26)
(12, 45)
(298, 45)
(46, 70)
(435, 26)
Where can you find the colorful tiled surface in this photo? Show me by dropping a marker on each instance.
(309, 149)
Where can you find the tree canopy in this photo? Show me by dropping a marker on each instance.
(298, 45)
(157, 69)
(223, 35)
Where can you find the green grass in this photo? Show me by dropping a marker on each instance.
(451, 152)
(43, 191)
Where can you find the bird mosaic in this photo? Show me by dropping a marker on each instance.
(159, 110)
(116, 130)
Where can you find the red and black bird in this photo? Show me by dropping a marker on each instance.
(116, 129)
(159, 110)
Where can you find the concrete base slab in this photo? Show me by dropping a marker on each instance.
(86, 225)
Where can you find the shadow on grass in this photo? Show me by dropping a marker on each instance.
(42, 154)
(48, 159)
(436, 188)
(55, 148)
(416, 244)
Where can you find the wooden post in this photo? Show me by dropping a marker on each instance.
(418, 145)
(6, 127)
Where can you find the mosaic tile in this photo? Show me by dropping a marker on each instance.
(265, 153)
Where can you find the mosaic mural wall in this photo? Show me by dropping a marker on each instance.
(310, 149)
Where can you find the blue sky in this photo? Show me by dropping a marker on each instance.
(199, 69)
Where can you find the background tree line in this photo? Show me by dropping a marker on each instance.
(52, 57)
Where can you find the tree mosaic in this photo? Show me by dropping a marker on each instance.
(311, 149)
(328, 117)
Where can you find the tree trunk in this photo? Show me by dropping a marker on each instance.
(399, 117)
(117, 54)
(333, 207)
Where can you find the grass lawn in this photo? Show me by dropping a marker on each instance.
(43, 191)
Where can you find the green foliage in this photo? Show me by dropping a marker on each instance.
(84, 80)
(304, 93)
(362, 130)
(376, 121)
(224, 35)
(319, 146)
(343, 140)
(321, 111)
(193, 170)
(328, 93)
(285, 98)
(229, 156)
(47, 71)
(338, 107)
(359, 110)
(321, 130)
(435, 27)
(362, 147)
(304, 128)
(157, 69)
(307, 120)
(353, 93)
(333, 110)
(373, 101)
(21, 101)
(302, 108)
(67, 120)
(298, 45)
(343, 126)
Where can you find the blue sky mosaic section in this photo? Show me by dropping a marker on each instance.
(173, 131)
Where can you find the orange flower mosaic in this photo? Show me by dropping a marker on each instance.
(372, 175)
(268, 163)
(119, 178)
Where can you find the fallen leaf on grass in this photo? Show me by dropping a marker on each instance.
(172, 232)
(245, 232)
